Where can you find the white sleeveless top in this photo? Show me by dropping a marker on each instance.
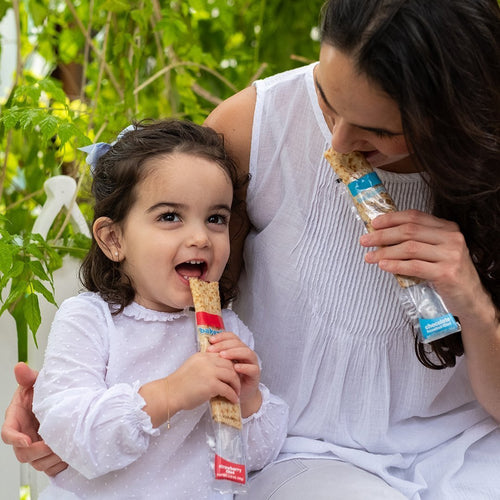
(334, 340)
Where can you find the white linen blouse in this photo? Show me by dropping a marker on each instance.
(86, 399)
(334, 339)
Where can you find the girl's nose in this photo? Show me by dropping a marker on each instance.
(198, 236)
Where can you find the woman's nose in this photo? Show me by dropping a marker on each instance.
(345, 137)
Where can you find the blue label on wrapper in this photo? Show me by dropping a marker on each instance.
(367, 181)
(435, 328)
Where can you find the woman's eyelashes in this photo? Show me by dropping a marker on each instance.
(384, 134)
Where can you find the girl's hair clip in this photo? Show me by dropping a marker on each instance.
(95, 151)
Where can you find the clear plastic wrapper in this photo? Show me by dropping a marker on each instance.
(423, 304)
(226, 439)
(428, 312)
(228, 458)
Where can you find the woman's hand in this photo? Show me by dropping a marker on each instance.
(20, 427)
(414, 243)
(246, 364)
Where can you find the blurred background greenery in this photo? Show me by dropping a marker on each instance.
(84, 69)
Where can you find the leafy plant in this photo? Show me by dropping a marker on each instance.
(106, 63)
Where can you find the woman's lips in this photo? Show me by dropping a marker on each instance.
(370, 154)
(375, 158)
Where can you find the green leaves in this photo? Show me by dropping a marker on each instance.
(26, 269)
(104, 64)
(26, 272)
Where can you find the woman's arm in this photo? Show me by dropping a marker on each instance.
(233, 118)
(418, 244)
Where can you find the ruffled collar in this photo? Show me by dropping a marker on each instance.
(136, 311)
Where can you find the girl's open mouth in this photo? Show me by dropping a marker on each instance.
(192, 269)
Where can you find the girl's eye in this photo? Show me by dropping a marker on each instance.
(169, 217)
(218, 219)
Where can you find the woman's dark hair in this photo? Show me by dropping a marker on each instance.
(116, 175)
(439, 60)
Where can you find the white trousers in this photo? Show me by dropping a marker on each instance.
(317, 479)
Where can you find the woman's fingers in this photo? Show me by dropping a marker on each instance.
(413, 243)
(407, 227)
(48, 461)
(393, 219)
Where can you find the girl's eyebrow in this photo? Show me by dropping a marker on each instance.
(180, 206)
(164, 204)
(363, 127)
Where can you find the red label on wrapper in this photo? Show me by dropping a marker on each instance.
(228, 470)
(207, 319)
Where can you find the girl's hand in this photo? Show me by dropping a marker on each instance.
(201, 377)
(414, 243)
(229, 346)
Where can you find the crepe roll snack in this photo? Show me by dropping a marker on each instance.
(227, 443)
(371, 199)
(209, 322)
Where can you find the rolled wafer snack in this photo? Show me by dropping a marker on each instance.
(229, 463)
(423, 304)
(209, 322)
(367, 191)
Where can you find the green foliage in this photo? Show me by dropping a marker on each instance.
(109, 62)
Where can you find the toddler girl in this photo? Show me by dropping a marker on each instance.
(122, 396)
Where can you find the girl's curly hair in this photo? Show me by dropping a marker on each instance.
(116, 174)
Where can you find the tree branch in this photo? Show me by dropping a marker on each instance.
(172, 66)
(95, 49)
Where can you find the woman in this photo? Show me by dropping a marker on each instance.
(414, 85)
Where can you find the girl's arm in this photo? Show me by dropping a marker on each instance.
(421, 245)
(93, 427)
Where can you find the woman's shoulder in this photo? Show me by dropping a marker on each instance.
(286, 77)
(233, 118)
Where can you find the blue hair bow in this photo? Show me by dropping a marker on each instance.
(96, 150)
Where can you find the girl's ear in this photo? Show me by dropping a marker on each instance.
(107, 235)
